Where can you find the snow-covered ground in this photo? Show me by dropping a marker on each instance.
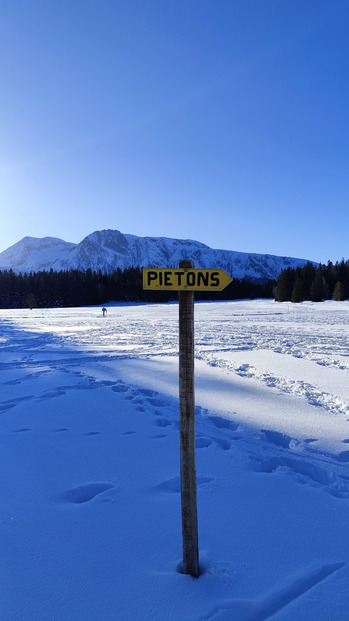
(90, 516)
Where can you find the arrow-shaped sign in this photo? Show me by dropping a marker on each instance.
(183, 279)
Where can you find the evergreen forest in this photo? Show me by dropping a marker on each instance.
(315, 283)
(71, 288)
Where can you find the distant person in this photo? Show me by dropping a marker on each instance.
(104, 311)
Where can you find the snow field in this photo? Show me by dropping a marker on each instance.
(90, 511)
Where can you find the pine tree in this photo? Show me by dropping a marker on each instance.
(298, 290)
(338, 292)
(284, 285)
(317, 287)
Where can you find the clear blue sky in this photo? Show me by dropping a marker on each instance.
(225, 121)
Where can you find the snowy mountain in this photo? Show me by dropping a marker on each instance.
(109, 249)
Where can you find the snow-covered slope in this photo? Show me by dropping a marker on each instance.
(33, 254)
(109, 249)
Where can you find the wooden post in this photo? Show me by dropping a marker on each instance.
(187, 429)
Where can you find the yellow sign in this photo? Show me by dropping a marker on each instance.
(185, 279)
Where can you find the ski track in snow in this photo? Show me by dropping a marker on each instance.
(41, 346)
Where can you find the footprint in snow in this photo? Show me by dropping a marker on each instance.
(51, 394)
(343, 456)
(120, 388)
(22, 430)
(205, 442)
(7, 405)
(202, 442)
(148, 393)
(86, 493)
(223, 423)
(223, 443)
(279, 439)
(163, 422)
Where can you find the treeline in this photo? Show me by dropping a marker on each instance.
(50, 289)
(314, 283)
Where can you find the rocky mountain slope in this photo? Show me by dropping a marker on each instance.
(107, 250)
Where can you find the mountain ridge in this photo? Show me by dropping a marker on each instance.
(109, 249)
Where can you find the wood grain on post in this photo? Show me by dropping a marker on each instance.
(187, 429)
